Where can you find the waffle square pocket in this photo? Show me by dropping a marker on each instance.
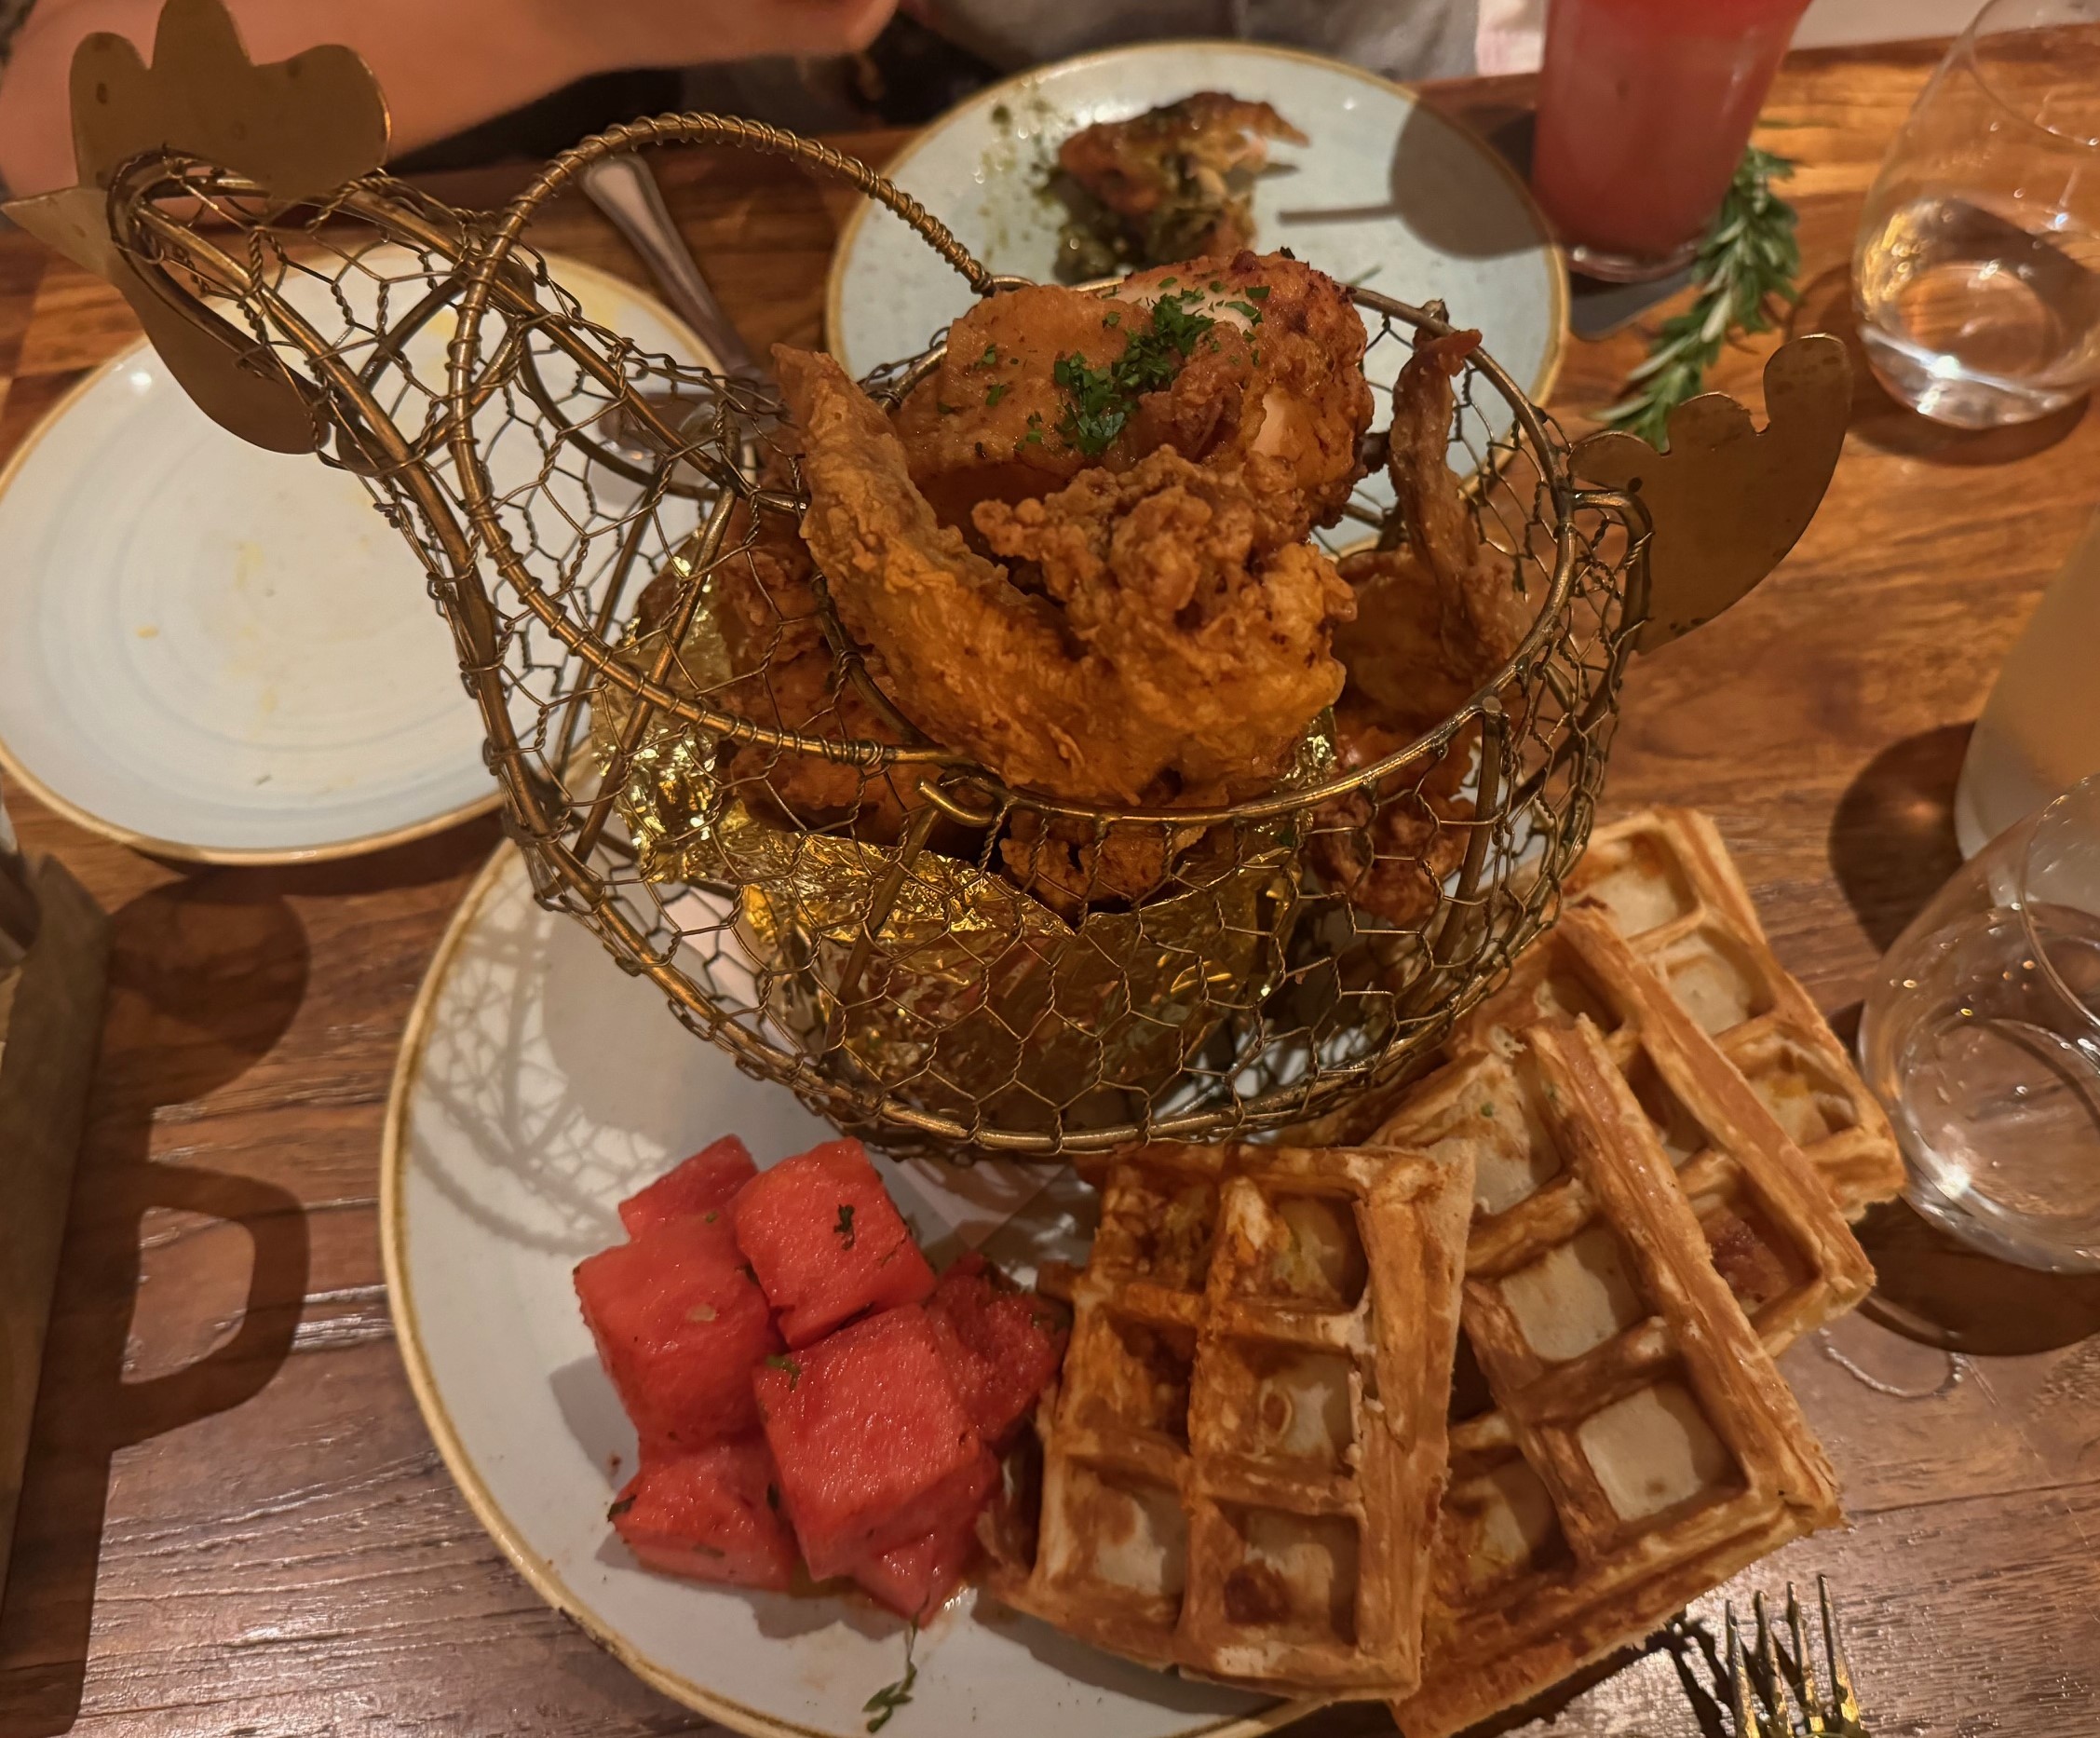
(1665, 881)
(1620, 1440)
(1241, 1462)
(1771, 1226)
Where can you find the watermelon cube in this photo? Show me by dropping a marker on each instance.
(1002, 1345)
(713, 1516)
(704, 1184)
(872, 1443)
(680, 1324)
(826, 1241)
(915, 1578)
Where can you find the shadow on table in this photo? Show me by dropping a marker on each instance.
(1892, 840)
(1940, 1292)
(1885, 422)
(204, 977)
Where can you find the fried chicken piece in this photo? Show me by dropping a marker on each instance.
(1223, 360)
(1168, 185)
(1173, 646)
(1434, 622)
(1389, 854)
(1071, 865)
(761, 602)
(1436, 619)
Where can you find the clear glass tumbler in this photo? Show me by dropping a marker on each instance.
(1976, 273)
(1981, 1037)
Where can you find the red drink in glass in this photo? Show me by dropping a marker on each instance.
(1644, 107)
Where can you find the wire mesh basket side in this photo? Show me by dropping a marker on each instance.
(699, 765)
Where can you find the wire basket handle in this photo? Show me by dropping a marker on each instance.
(747, 136)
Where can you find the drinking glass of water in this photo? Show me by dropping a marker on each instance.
(1982, 1037)
(1976, 274)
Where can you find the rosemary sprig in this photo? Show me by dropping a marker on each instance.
(890, 1697)
(1745, 270)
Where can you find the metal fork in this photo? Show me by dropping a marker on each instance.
(1757, 1684)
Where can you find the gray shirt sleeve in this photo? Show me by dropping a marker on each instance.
(1405, 39)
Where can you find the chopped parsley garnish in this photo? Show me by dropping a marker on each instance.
(1252, 313)
(1257, 293)
(1103, 399)
(780, 1360)
(994, 394)
(991, 354)
(844, 1230)
(1100, 405)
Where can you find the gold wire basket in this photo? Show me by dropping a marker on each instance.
(580, 506)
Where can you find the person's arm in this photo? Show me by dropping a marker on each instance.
(443, 65)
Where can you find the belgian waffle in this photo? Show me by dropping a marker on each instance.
(1667, 883)
(1771, 1226)
(1621, 1441)
(1242, 1460)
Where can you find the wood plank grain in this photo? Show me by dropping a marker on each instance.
(271, 1547)
(50, 1027)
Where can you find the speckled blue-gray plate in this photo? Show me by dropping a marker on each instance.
(1384, 193)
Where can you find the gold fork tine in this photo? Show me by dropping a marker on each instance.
(1848, 1709)
(1742, 1700)
(1767, 1665)
(1805, 1682)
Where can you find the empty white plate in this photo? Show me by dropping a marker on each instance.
(1385, 192)
(217, 653)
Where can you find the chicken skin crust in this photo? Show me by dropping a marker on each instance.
(1257, 355)
(1434, 621)
(1167, 643)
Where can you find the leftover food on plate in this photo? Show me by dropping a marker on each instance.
(1174, 183)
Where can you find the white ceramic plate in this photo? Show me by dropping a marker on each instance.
(213, 652)
(1387, 193)
(538, 1085)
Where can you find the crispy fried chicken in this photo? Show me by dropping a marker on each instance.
(1171, 183)
(1223, 360)
(1434, 621)
(784, 677)
(1173, 643)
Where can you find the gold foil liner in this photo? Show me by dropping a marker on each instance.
(967, 997)
(977, 1001)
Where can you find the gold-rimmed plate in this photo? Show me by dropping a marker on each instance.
(538, 1084)
(1386, 192)
(216, 653)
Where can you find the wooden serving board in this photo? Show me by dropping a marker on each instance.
(52, 1028)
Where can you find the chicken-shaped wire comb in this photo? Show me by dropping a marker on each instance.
(710, 755)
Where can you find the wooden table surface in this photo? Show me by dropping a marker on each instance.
(234, 1523)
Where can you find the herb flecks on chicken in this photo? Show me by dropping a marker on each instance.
(1171, 640)
(1221, 359)
(1171, 184)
